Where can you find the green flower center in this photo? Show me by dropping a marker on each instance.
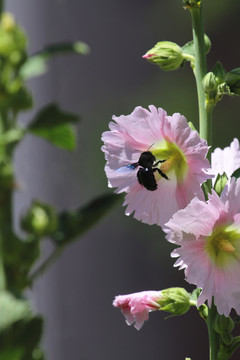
(223, 245)
(175, 160)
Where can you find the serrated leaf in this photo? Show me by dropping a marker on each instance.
(36, 65)
(73, 224)
(12, 310)
(236, 173)
(220, 183)
(54, 125)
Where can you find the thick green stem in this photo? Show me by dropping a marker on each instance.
(200, 70)
(205, 130)
(212, 335)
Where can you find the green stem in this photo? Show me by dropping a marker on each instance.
(1, 6)
(205, 130)
(200, 71)
(212, 335)
(46, 264)
(5, 228)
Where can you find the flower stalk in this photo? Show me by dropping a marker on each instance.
(200, 70)
(205, 131)
(212, 335)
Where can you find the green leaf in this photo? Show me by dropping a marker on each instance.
(219, 72)
(21, 100)
(233, 81)
(192, 126)
(36, 65)
(220, 183)
(20, 341)
(73, 224)
(54, 125)
(188, 48)
(12, 310)
(236, 173)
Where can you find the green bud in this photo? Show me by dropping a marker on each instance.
(220, 183)
(207, 43)
(222, 324)
(175, 301)
(40, 219)
(189, 4)
(210, 86)
(12, 39)
(219, 72)
(227, 338)
(166, 54)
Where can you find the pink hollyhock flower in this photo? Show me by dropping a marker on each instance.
(209, 237)
(226, 160)
(178, 153)
(135, 307)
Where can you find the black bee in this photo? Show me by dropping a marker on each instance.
(147, 169)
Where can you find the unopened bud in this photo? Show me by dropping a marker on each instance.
(189, 4)
(166, 54)
(175, 301)
(40, 219)
(12, 39)
(7, 21)
(222, 324)
(210, 85)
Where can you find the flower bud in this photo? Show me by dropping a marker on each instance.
(222, 324)
(40, 219)
(188, 4)
(175, 301)
(227, 338)
(12, 39)
(166, 54)
(207, 43)
(210, 85)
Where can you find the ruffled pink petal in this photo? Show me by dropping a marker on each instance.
(190, 228)
(135, 307)
(226, 160)
(128, 137)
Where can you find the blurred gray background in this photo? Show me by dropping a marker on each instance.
(120, 255)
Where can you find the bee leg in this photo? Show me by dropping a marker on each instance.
(161, 173)
(159, 161)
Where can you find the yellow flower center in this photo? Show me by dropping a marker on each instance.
(223, 245)
(175, 160)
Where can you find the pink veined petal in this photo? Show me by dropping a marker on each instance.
(135, 307)
(226, 160)
(152, 207)
(140, 131)
(208, 235)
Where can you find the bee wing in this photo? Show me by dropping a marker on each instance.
(127, 168)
